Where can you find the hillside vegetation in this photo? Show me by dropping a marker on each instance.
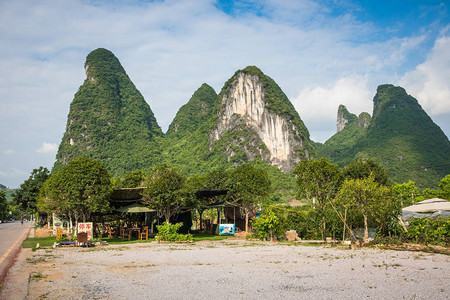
(110, 121)
(400, 136)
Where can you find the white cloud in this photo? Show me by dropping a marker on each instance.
(320, 57)
(9, 151)
(318, 106)
(48, 148)
(429, 82)
(12, 173)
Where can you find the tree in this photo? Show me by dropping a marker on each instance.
(247, 186)
(267, 225)
(371, 199)
(362, 168)
(442, 192)
(3, 206)
(26, 196)
(406, 192)
(166, 191)
(132, 179)
(444, 187)
(318, 180)
(81, 188)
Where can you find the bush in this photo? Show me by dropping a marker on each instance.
(428, 231)
(169, 233)
(266, 225)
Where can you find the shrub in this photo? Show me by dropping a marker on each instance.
(266, 225)
(169, 232)
(429, 231)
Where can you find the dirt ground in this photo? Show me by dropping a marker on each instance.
(234, 269)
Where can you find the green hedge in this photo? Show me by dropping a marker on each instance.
(426, 231)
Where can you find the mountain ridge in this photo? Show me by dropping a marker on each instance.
(250, 120)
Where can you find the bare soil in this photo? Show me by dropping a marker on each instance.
(235, 269)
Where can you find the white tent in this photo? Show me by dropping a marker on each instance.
(430, 208)
(430, 205)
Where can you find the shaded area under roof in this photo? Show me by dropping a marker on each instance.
(210, 193)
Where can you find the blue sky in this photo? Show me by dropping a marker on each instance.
(321, 53)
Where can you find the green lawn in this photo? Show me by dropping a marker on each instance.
(43, 242)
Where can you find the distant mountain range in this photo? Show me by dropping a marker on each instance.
(250, 120)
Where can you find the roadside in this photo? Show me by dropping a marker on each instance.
(15, 285)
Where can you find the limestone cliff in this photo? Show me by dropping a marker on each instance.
(253, 104)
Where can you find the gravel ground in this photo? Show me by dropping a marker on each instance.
(235, 269)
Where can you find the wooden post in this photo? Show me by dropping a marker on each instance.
(345, 220)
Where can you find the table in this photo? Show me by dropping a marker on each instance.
(131, 230)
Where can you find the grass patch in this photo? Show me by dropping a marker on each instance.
(43, 242)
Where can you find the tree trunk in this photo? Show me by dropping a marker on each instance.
(366, 229)
(201, 219)
(323, 228)
(246, 220)
(167, 216)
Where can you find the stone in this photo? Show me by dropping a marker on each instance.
(292, 236)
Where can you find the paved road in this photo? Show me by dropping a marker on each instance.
(11, 237)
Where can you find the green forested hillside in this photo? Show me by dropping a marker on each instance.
(401, 137)
(109, 119)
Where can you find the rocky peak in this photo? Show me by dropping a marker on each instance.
(343, 117)
(243, 102)
(364, 120)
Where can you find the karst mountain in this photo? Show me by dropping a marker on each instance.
(250, 120)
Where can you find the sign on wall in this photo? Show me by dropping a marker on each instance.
(86, 227)
(226, 229)
(57, 222)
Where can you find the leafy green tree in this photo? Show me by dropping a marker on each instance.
(444, 187)
(371, 199)
(442, 192)
(3, 206)
(167, 192)
(81, 188)
(247, 186)
(131, 180)
(318, 181)
(406, 192)
(362, 168)
(26, 196)
(267, 225)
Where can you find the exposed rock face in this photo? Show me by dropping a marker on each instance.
(364, 120)
(244, 104)
(342, 119)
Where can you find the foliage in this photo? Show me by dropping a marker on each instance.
(426, 231)
(318, 180)
(307, 221)
(406, 193)
(132, 179)
(3, 206)
(80, 189)
(166, 191)
(247, 186)
(267, 225)
(109, 120)
(442, 192)
(26, 196)
(363, 168)
(371, 200)
(401, 137)
(169, 232)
